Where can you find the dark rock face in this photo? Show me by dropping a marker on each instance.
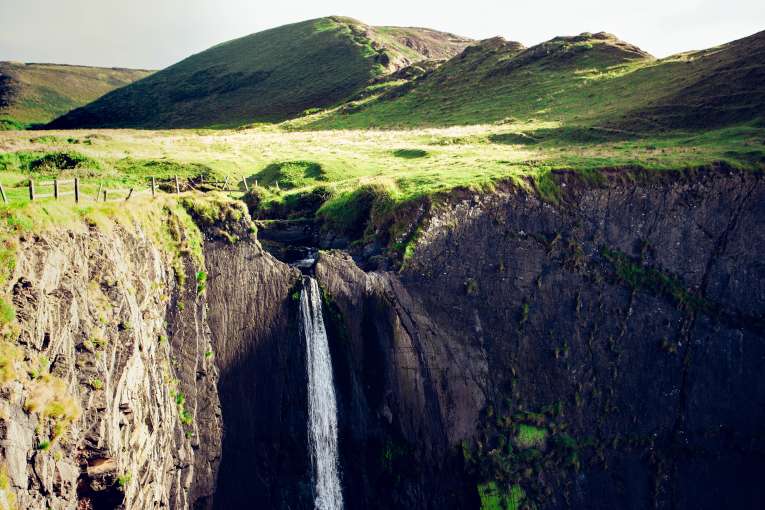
(626, 323)
(261, 360)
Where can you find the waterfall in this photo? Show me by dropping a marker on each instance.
(322, 408)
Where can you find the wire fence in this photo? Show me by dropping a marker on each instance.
(60, 188)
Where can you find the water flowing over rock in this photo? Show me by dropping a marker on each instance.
(322, 407)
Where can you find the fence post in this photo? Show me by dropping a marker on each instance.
(225, 184)
(256, 183)
(130, 194)
(153, 187)
(31, 190)
(246, 187)
(98, 195)
(76, 190)
(2, 192)
(177, 186)
(55, 189)
(105, 194)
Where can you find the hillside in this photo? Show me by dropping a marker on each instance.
(268, 76)
(38, 93)
(586, 80)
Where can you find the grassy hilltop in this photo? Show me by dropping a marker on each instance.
(592, 80)
(268, 76)
(38, 93)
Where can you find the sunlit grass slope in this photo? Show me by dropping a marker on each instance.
(38, 93)
(588, 80)
(264, 77)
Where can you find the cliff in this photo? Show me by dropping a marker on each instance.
(109, 397)
(601, 350)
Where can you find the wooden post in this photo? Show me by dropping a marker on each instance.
(130, 194)
(55, 189)
(31, 189)
(244, 180)
(225, 184)
(277, 185)
(77, 190)
(98, 195)
(2, 192)
(153, 187)
(105, 194)
(256, 183)
(177, 186)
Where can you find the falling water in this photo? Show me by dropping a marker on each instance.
(322, 408)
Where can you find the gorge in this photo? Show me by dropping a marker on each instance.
(496, 366)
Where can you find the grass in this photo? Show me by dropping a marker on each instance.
(49, 397)
(345, 177)
(264, 77)
(590, 81)
(41, 92)
(7, 496)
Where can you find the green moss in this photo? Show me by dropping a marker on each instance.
(124, 479)
(496, 498)
(640, 277)
(529, 436)
(201, 281)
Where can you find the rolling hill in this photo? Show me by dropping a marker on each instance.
(268, 76)
(585, 80)
(38, 93)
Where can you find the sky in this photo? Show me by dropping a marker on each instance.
(153, 34)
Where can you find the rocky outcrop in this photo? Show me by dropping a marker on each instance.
(111, 397)
(596, 353)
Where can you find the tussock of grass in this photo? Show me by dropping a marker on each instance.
(11, 358)
(49, 397)
(291, 174)
(7, 496)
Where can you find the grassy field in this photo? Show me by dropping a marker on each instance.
(404, 164)
(38, 93)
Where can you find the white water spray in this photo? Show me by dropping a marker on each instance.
(322, 407)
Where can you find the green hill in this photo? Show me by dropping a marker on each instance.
(38, 93)
(268, 76)
(586, 80)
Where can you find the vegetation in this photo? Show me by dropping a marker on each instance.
(595, 81)
(49, 397)
(124, 480)
(7, 496)
(496, 498)
(640, 277)
(264, 77)
(38, 93)
(511, 451)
